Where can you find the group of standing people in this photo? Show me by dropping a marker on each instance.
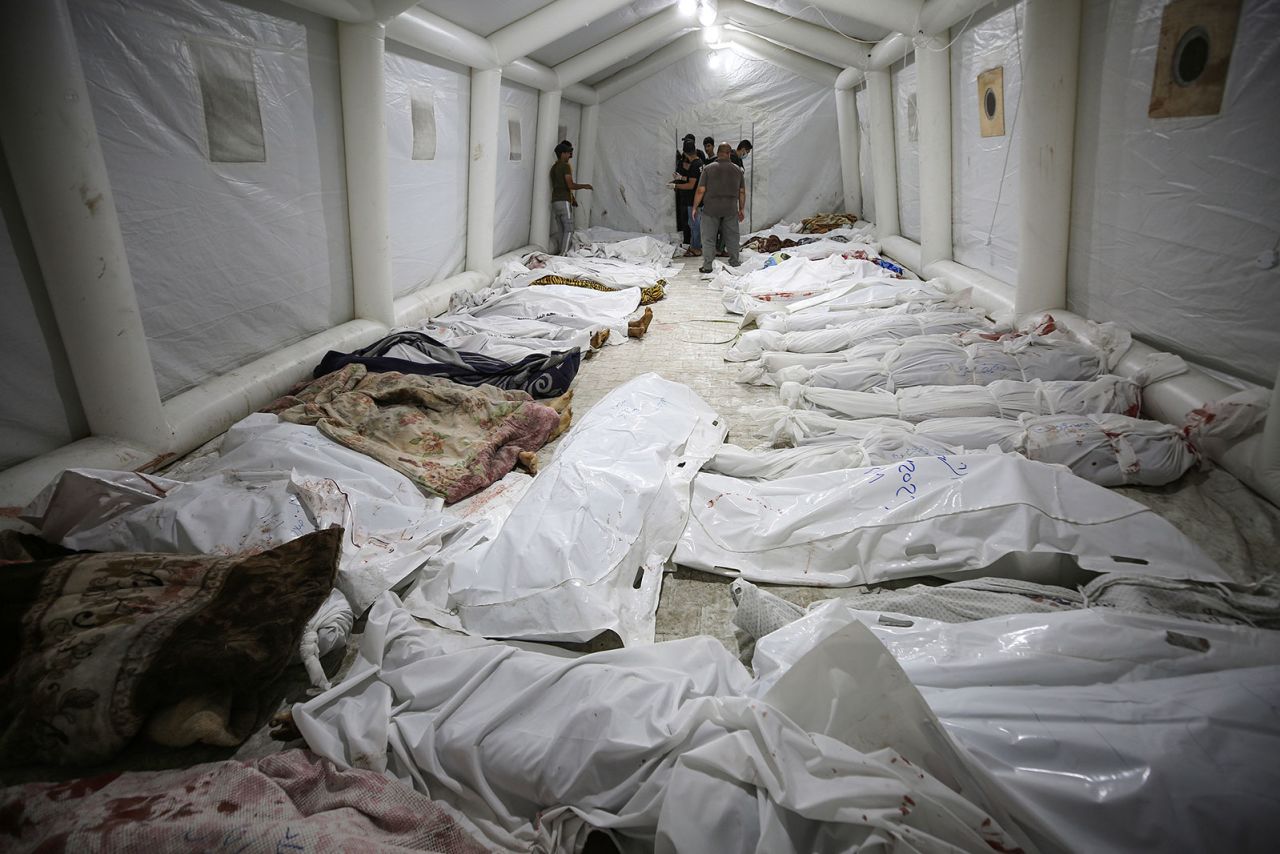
(711, 197)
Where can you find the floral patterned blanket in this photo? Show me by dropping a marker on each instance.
(97, 647)
(451, 440)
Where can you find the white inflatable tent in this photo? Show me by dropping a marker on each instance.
(201, 197)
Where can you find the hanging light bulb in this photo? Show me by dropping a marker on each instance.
(714, 60)
(687, 7)
(711, 35)
(706, 13)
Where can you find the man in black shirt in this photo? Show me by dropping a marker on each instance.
(688, 173)
(682, 205)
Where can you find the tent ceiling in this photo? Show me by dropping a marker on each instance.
(482, 18)
(594, 32)
(485, 18)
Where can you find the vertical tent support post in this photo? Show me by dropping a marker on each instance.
(933, 102)
(587, 160)
(1048, 110)
(543, 157)
(482, 175)
(884, 160)
(847, 127)
(364, 132)
(51, 142)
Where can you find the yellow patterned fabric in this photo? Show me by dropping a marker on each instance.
(648, 295)
(822, 223)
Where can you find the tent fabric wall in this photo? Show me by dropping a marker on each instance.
(230, 260)
(862, 101)
(515, 177)
(427, 199)
(39, 408)
(985, 169)
(792, 172)
(571, 120)
(906, 137)
(1169, 215)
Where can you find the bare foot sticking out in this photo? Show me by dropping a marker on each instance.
(637, 328)
(566, 418)
(599, 338)
(561, 403)
(528, 460)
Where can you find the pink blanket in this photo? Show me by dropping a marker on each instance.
(289, 802)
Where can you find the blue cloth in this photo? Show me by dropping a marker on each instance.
(542, 375)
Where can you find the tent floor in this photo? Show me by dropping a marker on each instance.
(686, 341)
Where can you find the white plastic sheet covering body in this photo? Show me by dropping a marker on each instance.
(582, 552)
(613, 272)
(567, 306)
(230, 260)
(509, 339)
(984, 190)
(858, 301)
(659, 743)
(515, 177)
(1174, 212)
(795, 280)
(602, 242)
(948, 360)
(272, 482)
(932, 515)
(791, 120)
(39, 408)
(835, 338)
(427, 197)
(1106, 449)
(1104, 731)
(1000, 399)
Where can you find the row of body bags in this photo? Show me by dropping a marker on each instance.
(580, 548)
(1084, 730)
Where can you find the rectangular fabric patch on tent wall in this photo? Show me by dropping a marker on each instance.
(513, 133)
(229, 94)
(423, 107)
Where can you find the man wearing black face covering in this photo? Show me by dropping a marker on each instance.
(682, 203)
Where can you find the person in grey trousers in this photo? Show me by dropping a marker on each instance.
(722, 193)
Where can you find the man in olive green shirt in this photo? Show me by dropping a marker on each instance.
(562, 199)
(722, 192)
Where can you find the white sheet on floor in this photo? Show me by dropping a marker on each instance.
(583, 550)
(835, 338)
(612, 272)
(566, 306)
(492, 331)
(933, 360)
(852, 303)
(1107, 449)
(653, 250)
(1104, 731)
(794, 280)
(272, 483)
(1000, 399)
(935, 515)
(657, 743)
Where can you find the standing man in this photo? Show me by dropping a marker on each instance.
(562, 199)
(723, 193)
(708, 151)
(682, 203)
(744, 150)
(686, 182)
